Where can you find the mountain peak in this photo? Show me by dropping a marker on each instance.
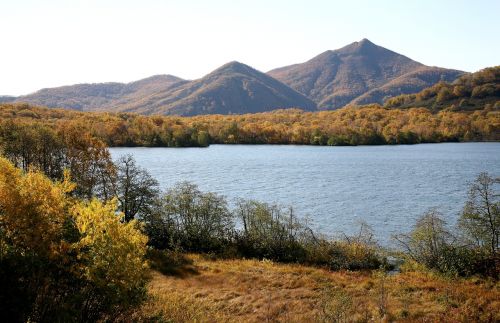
(361, 72)
(160, 77)
(337, 77)
(235, 66)
(234, 63)
(365, 41)
(364, 46)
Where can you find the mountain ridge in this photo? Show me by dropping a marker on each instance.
(358, 73)
(335, 78)
(232, 88)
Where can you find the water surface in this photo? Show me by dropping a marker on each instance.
(386, 186)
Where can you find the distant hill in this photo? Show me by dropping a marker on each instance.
(89, 97)
(7, 98)
(234, 88)
(359, 73)
(469, 92)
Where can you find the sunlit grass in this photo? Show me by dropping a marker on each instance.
(263, 291)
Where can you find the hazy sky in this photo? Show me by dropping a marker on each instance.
(51, 43)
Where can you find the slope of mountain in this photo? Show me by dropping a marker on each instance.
(7, 98)
(408, 83)
(361, 72)
(233, 88)
(469, 92)
(142, 92)
(88, 97)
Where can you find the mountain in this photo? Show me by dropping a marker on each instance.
(89, 97)
(469, 92)
(233, 88)
(410, 82)
(359, 73)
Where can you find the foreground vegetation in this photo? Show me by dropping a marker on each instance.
(64, 259)
(78, 232)
(370, 125)
(207, 290)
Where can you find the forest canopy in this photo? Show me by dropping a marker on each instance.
(368, 125)
(469, 92)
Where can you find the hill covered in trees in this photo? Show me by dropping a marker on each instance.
(469, 92)
(357, 74)
(347, 126)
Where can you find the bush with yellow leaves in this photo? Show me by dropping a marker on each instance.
(61, 258)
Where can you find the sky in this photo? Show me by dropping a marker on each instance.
(48, 43)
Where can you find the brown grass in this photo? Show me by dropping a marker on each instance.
(263, 291)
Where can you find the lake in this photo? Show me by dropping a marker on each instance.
(386, 186)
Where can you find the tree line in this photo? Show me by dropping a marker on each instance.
(369, 125)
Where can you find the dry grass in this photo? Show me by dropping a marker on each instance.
(263, 291)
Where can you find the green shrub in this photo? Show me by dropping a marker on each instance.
(269, 231)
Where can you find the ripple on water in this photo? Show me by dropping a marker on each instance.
(386, 186)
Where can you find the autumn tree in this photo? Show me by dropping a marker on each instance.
(203, 139)
(33, 146)
(63, 259)
(428, 239)
(134, 188)
(89, 162)
(480, 218)
(269, 231)
(33, 210)
(112, 255)
(444, 94)
(201, 221)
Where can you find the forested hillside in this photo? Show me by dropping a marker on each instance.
(469, 92)
(348, 126)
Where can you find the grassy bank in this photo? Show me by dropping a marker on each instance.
(203, 290)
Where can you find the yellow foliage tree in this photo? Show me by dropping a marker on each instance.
(33, 210)
(61, 257)
(113, 251)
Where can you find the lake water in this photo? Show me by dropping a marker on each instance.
(386, 186)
